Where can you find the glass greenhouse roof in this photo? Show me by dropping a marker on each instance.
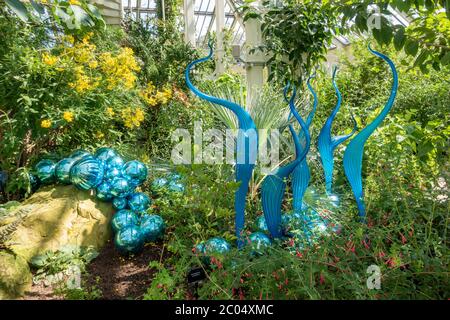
(204, 14)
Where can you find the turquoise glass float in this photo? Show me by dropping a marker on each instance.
(159, 183)
(258, 242)
(112, 173)
(45, 171)
(114, 162)
(217, 245)
(119, 203)
(152, 227)
(103, 191)
(199, 248)
(129, 240)
(120, 187)
(135, 171)
(261, 224)
(87, 173)
(139, 202)
(124, 218)
(62, 170)
(34, 182)
(176, 186)
(104, 154)
(79, 154)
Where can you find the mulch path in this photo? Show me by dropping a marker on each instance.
(117, 276)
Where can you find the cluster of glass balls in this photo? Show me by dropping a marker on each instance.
(113, 180)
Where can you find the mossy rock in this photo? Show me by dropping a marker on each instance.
(15, 276)
(55, 217)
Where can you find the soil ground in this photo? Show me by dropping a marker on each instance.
(117, 276)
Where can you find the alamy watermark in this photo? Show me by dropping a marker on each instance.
(374, 280)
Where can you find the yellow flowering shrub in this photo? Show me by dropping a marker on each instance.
(119, 70)
(133, 117)
(68, 116)
(153, 97)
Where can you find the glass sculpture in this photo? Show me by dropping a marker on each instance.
(327, 144)
(353, 154)
(274, 185)
(244, 169)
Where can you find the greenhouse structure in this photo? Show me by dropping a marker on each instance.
(224, 150)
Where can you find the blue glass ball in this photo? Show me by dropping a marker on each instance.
(259, 241)
(135, 171)
(129, 240)
(152, 227)
(199, 248)
(112, 173)
(45, 171)
(217, 245)
(79, 154)
(124, 218)
(34, 182)
(120, 187)
(114, 162)
(176, 186)
(139, 202)
(119, 203)
(87, 173)
(104, 154)
(261, 224)
(103, 191)
(62, 170)
(159, 183)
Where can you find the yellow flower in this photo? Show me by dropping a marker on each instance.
(46, 123)
(99, 135)
(82, 82)
(110, 112)
(93, 64)
(49, 59)
(74, 2)
(119, 69)
(44, 1)
(133, 117)
(68, 116)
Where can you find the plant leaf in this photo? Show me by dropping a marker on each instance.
(19, 9)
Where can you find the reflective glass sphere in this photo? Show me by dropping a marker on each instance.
(135, 171)
(112, 173)
(139, 202)
(104, 154)
(120, 187)
(79, 154)
(152, 227)
(129, 240)
(199, 248)
(114, 162)
(62, 169)
(119, 203)
(217, 245)
(261, 224)
(45, 171)
(103, 191)
(176, 186)
(34, 182)
(258, 241)
(159, 183)
(87, 173)
(124, 218)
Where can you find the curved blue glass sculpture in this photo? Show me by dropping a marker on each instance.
(103, 154)
(301, 174)
(274, 185)
(87, 173)
(243, 170)
(353, 155)
(327, 144)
